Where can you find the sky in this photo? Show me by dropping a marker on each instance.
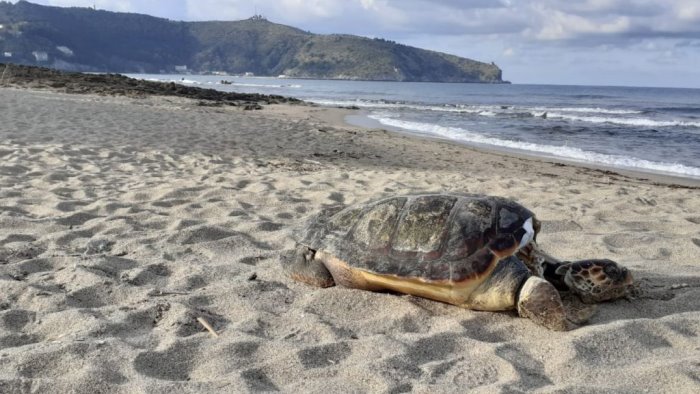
(586, 42)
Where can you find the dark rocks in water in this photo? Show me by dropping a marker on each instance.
(120, 85)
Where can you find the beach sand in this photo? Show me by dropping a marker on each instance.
(124, 220)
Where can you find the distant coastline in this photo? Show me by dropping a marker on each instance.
(131, 43)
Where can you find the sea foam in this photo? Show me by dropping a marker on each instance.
(565, 152)
(637, 122)
(484, 110)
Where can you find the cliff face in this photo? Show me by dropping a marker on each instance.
(83, 39)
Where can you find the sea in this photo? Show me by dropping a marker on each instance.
(643, 129)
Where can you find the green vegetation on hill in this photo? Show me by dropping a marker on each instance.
(83, 39)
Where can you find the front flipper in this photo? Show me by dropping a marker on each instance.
(577, 311)
(301, 265)
(539, 301)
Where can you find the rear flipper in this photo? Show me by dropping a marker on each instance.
(539, 300)
(301, 265)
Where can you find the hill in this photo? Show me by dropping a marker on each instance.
(84, 39)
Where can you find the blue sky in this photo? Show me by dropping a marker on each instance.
(587, 42)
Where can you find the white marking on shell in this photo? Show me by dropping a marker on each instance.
(529, 233)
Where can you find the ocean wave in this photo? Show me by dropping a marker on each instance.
(251, 85)
(639, 122)
(260, 85)
(484, 110)
(592, 110)
(380, 104)
(566, 152)
(481, 110)
(692, 110)
(590, 96)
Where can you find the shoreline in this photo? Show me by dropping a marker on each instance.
(640, 175)
(339, 117)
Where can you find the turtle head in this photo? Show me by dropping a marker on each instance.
(596, 280)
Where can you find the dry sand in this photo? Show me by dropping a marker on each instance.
(124, 220)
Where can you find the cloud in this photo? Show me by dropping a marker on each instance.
(587, 22)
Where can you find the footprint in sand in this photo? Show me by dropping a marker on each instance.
(242, 354)
(174, 363)
(531, 371)
(258, 381)
(14, 170)
(19, 253)
(426, 350)
(17, 238)
(603, 347)
(16, 319)
(477, 329)
(154, 274)
(77, 219)
(169, 203)
(270, 226)
(95, 296)
(622, 240)
(34, 266)
(70, 206)
(238, 213)
(54, 362)
(110, 267)
(201, 234)
(14, 211)
(285, 215)
(324, 355)
(337, 197)
(242, 184)
(68, 237)
(64, 192)
(18, 339)
(558, 226)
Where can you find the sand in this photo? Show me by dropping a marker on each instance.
(124, 220)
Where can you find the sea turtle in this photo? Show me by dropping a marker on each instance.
(474, 251)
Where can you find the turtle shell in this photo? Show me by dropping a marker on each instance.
(431, 237)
